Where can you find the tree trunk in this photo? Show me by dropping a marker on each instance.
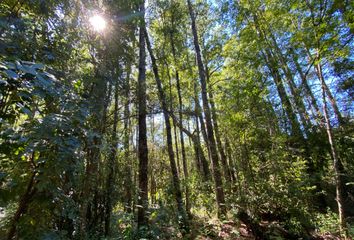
(298, 102)
(184, 225)
(220, 198)
(23, 205)
(174, 125)
(98, 124)
(128, 181)
(335, 158)
(142, 138)
(183, 151)
(318, 70)
(111, 165)
(305, 84)
(295, 126)
(201, 129)
(197, 146)
(184, 158)
(329, 94)
(227, 173)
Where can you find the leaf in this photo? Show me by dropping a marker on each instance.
(38, 66)
(43, 81)
(12, 74)
(27, 69)
(27, 111)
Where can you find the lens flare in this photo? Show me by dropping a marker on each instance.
(98, 23)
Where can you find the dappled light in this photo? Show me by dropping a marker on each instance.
(176, 119)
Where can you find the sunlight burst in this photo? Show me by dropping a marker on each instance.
(98, 23)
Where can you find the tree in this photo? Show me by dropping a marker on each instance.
(142, 139)
(220, 198)
(175, 178)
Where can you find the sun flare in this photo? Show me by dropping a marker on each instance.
(98, 23)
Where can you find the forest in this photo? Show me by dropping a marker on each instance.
(176, 119)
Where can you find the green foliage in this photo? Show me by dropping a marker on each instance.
(327, 222)
(68, 113)
(41, 134)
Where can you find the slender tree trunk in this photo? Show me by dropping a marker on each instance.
(197, 151)
(99, 105)
(183, 151)
(336, 160)
(295, 126)
(128, 181)
(319, 72)
(142, 138)
(298, 102)
(197, 146)
(227, 173)
(199, 116)
(201, 129)
(174, 125)
(184, 158)
(111, 165)
(305, 84)
(329, 94)
(24, 202)
(176, 182)
(232, 165)
(220, 198)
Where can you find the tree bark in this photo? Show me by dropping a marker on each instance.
(142, 136)
(220, 198)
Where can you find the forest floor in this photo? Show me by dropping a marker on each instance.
(215, 229)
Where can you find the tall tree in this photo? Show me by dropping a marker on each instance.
(142, 138)
(175, 178)
(220, 198)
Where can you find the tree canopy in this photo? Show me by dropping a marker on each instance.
(176, 119)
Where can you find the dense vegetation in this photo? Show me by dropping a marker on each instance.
(176, 119)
